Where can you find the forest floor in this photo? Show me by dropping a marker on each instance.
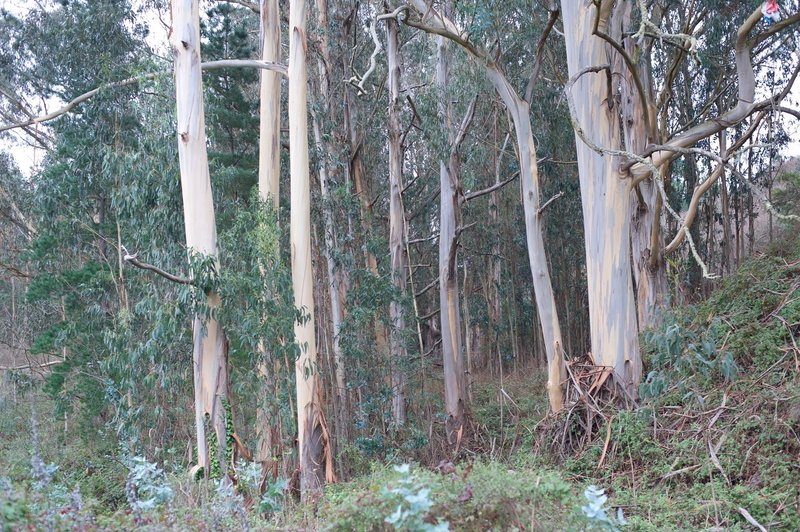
(714, 443)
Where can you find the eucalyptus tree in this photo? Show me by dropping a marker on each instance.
(309, 413)
(269, 174)
(397, 226)
(209, 354)
(455, 376)
(435, 22)
(601, 47)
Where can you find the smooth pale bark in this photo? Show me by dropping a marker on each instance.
(209, 352)
(269, 168)
(336, 284)
(455, 387)
(309, 412)
(605, 198)
(519, 110)
(397, 231)
(269, 155)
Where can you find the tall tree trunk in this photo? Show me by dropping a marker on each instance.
(455, 389)
(269, 168)
(605, 198)
(725, 201)
(309, 410)
(336, 283)
(209, 354)
(269, 155)
(397, 232)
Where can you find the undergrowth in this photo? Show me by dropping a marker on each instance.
(715, 440)
(713, 443)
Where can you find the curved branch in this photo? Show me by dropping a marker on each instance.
(441, 26)
(478, 193)
(744, 107)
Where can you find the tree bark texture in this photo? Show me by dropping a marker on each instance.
(209, 353)
(310, 443)
(455, 389)
(605, 198)
(397, 232)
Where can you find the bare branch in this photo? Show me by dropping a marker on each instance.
(14, 271)
(548, 202)
(428, 287)
(210, 65)
(133, 261)
(31, 366)
(478, 193)
(744, 107)
(359, 83)
(462, 130)
(255, 8)
(537, 62)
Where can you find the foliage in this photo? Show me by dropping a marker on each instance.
(147, 484)
(413, 503)
(684, 357)
(596, 513)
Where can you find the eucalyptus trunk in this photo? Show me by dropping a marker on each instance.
(397, 232)
(209, 353)
(455, 386)
(519, 110)
(605, 197)
(269, 168)
(647, 237)
(309, 412)
(336, 282)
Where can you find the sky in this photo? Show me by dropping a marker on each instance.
(27, 158)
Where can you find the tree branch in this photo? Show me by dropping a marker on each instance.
(537, 62)
(548, 202)
(31, 366)
(744, 107)
(255, 8)
(133, 261)
(210, 65)
(478, 193)
(462, 130)
(428, 287)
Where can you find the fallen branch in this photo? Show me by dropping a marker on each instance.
(750, 519)
(30, 366)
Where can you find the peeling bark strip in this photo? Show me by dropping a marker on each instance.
(605, 199)
(209, 352)
(308, 409)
